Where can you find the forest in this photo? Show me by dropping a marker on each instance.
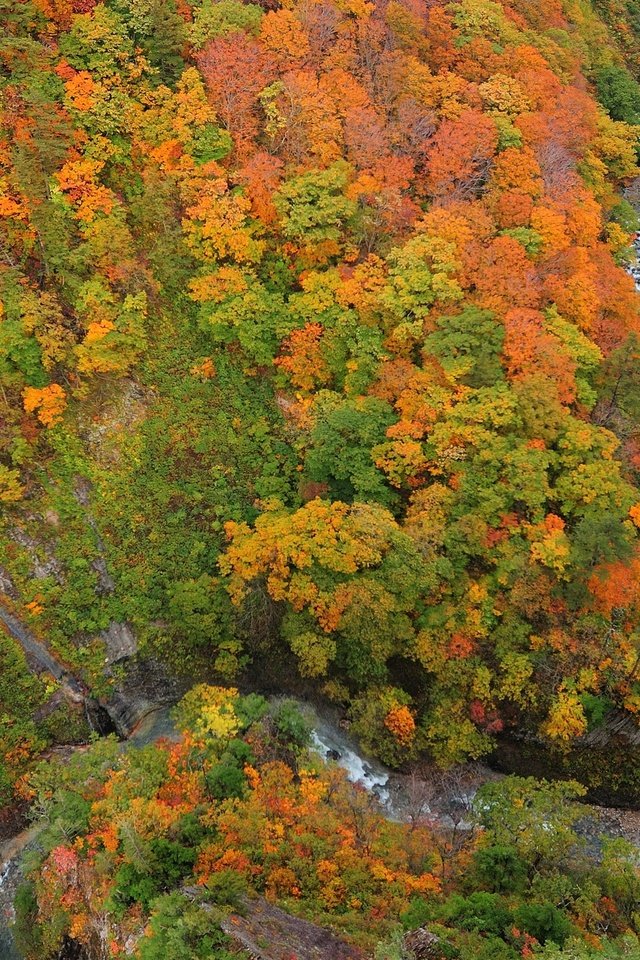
(157, 846)
(320, 375)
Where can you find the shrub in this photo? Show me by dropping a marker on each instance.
(544, 922)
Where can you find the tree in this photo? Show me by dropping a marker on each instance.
(161, 32)
(340, 448)
(181, 930)
(235, 70)
(314, 209)
(535, 818)
(460, 157)
(468, 345)
(618, 93)
(49, 402)
(340, 569)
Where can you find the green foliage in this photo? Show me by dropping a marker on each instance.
(626, 215)
(222, 18)
(619, 93)
(181, 930)
(418, 914)
(596, 708)
(369, 713)
(340, 449)
(98, 42)
(482, 912)
(499, 868)
(227, 779)
(599, 538)
(544, 922)
(20, 695)
(534, 818)
(174, 843)
(291, 725)
(158, 28)
(167, 863)
(626, 946)
(469, 345)
(26, 932)
(61, 800)
(251, 708)
(211, 143)
(313, 207)
(619, 383)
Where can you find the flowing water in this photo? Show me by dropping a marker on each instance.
(634, 267)
(334, 745)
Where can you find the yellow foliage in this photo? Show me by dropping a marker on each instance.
(217, 225)
(504, 94)
(217, 719)
(11, 489)
(552, 551)
(282, 34)
(566, 719)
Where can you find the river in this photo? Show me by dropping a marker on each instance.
(442, 799)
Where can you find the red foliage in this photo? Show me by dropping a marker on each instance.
(235, 70)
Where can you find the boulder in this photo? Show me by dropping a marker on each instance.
(421, 944)
(268, 933)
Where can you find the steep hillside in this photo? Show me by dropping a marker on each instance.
(318, 352)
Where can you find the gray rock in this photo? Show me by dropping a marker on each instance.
(421, 944)
(45, 564)
(7, 586)
(120, 642)
(145, 688)
(266, 932)
(107, 583)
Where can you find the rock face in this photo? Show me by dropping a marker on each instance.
(147, 687)
(39, 658)
(268, 933)
(120, 642)
(44, 562)
(420, 944)
(606, 760)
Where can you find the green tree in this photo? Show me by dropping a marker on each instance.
(339, 452)
(313, 207)
(619, 93)
(181, 930)
(534, 818)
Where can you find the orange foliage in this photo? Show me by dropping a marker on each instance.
(530, 351)
(617, 587)
(47, 402)
(461, 154)
(303, 358)
(235, 70)
(78, 179)
(504, 276)
(401, 724)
